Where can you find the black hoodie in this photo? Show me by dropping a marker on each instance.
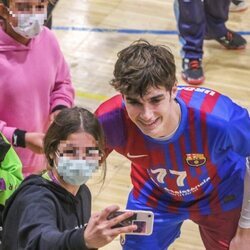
(42, 215)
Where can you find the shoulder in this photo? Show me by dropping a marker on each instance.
(48, 38)
(208, 102)
(112, 105)
(32, 190)
(112, 114)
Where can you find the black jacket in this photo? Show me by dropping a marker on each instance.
(42, 215)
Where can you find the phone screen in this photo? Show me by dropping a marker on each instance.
(141, 226)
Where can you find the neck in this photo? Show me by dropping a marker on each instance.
(70, 188)
(175, 117)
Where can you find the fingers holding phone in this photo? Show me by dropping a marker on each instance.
(101, 230)
(143, 220)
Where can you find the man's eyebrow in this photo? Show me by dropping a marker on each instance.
(149, 99)
(156, 96)
(132, 99)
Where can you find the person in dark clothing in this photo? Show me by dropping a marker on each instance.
(198, 21)
(50, 8)
(53, 210)
(10, 175)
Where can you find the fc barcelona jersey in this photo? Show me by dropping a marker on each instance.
(200, 169)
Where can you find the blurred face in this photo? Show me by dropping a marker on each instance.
(77, 158)
(28, 6)
(79, 146)
(28, 16)
(153, 112)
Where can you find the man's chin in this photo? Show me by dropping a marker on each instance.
(150, 133)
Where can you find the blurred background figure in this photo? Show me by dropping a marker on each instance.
(199, 20)
(10, 175)
(51, 6)
(35, 80)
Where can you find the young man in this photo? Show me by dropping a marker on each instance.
(35, 81)
(187, 148)
(199, 20)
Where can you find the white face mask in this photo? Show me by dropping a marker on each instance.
(76, 171)
(29, 25)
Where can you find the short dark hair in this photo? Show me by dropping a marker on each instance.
(142, 65)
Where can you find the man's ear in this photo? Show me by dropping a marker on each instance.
(174, 91)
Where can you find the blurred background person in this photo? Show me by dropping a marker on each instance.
(51, 6)
(10, 175)
(35, 80)
(199, 20)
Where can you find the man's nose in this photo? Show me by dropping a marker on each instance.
(146, 113)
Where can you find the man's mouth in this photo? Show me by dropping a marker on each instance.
(150, 124)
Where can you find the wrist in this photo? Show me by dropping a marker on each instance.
(18, 138)
(86, 241)
(242, 230)
(58, 107)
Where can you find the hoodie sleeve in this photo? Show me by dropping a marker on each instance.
(63, 92)
(10, 170)
(6, 130)
(35, 214)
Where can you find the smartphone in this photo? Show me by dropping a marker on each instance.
(143, 219)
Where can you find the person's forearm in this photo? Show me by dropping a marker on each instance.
(245, 212)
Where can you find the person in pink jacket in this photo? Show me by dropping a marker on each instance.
(35, 82)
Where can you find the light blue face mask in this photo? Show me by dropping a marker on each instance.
(76, 171)
(30, 25)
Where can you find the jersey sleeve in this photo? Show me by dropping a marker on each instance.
(238, 130)
(112, 118)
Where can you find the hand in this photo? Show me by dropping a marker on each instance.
(34, 142)
(98, 232)
(53, 115)
(241, 240)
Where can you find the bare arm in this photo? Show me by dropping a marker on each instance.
(241, 240)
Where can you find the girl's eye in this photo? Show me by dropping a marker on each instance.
(69, 151)
(92, 151)
(39, 7)
(23, 7)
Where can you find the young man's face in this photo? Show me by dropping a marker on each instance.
(153, 112)
(28, 6)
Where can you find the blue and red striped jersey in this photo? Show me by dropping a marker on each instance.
(200, 169)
